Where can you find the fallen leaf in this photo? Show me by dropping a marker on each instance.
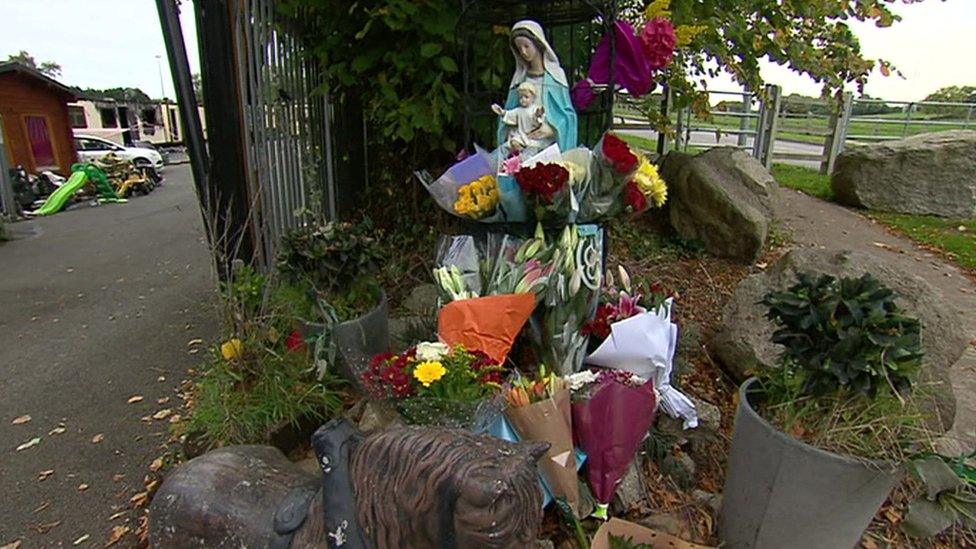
(175, 418)
(139, 499)
(118, 532)
(12, 545)
(81, 540)
(21, 420)
(193, 342)
(961, 228)
(193, 351)
(156, 465)
(163, 400)
(118, 477)
(98, 438)
(82, 487)
(58, 430)
(45, 528)
(44, 474)
(161, 378)
(32, 442)
(163, 414)
(117, 515)
(41, 507)
(135, 398)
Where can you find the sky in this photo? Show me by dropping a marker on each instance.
(114, 43)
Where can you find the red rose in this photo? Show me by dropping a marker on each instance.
(634, 198)
(542, 181)
(619, 154)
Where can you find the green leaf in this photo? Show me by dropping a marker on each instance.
(926, 519)
(447, 63)
(430, 49)
(937, 476)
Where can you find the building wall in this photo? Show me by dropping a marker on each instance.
(164, 131)
(22, 96)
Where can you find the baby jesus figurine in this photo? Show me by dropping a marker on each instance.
(523, 121)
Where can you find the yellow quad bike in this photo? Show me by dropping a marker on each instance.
(124, 176)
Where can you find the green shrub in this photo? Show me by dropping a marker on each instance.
(845, 334)
(234, 405)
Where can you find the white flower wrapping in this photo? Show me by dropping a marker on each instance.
(645, 344)
(432, 350)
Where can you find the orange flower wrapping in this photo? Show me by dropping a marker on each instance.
(487, 324)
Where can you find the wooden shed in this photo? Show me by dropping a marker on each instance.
(34, 115)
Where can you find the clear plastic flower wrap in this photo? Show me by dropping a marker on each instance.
(612, 166)
(468, 189)
(457, 270)
(474, 416)
(571, 298)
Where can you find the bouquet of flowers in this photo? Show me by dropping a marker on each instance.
(468, 189)
(435, 384)
(546, 186)
(635, 334)
(646, 189)
(612, 167)
(539, 409)
(612, 411)
(571, 297)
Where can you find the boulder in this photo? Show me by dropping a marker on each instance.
(932, 173)
(722, 198)
(743, 337)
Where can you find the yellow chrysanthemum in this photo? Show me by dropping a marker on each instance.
(650, 183)
(478, 198)
(429, 372)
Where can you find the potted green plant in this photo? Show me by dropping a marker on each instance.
(337, 262)
(819, 439)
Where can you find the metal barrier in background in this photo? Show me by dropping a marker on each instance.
(286, 125)
(749, 124)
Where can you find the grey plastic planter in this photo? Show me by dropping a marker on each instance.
(359, 339)
(780, 492)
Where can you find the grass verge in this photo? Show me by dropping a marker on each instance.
(803, 179)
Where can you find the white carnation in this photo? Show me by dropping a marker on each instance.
(432, 350)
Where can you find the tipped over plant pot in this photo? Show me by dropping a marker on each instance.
(819, 441)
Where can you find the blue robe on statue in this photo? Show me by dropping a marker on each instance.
(560, 113)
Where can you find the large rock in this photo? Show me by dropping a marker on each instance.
(721, 197)
(932, 173)
(743, 338)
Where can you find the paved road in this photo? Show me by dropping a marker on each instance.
(710, 139)
(96, 305)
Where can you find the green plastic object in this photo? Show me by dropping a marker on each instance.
(106, 192)
(62, 194)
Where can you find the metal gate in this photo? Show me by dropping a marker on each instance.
(285, 124)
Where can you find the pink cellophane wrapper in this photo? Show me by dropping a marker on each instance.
(609, 428)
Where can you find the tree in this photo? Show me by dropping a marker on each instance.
(47, 68)
(811, 37)
(951, 94)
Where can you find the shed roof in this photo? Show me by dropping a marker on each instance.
(13, 66)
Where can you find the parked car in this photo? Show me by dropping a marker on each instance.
(92, 148)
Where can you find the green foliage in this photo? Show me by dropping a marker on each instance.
(123, 95)
(956, 238)
(234, 407)
(47, 68)
(330, 257)
(950, 497)
(951, 94)
(803, 179)
(620, 542)
(398, 55)
(845, 335)
(812, 37)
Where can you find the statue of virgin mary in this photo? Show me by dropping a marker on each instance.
(536, 63)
